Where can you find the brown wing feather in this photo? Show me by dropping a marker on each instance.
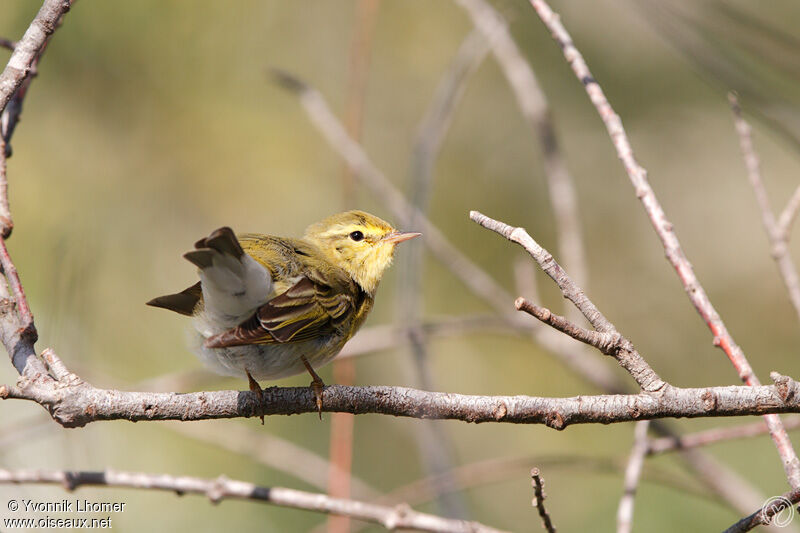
(304, 311)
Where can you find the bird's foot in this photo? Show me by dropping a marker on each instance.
(317, 385)
(255, 387)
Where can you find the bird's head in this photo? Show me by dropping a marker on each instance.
(359, 243)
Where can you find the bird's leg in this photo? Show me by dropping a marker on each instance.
(316, 384)
(255, 387)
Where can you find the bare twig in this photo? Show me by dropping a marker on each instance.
(535, 109)
(776, 233)
(632, 474)
(14, 83)
(538, 500)
(222, 488)
(434, 443)
(608, 343)
(789, 214)
(714, 435)
(626, 355)
(28, 48)
(74, 403)
(664, 229)
(770, 513)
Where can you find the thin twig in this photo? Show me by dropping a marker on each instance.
(776, 233)
(434, 443)
(626, 355)
(535, 109)
(664, 229)
(773, 512)
(222, 488)
(789, 214)
(713, 436)
(14, 83)
(538, 500)
(632, 474)
(607, 343)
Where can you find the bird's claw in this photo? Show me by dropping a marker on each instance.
(255, 387)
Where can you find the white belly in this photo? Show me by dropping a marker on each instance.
(266, 361)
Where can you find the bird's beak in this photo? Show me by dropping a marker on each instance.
(400, 236)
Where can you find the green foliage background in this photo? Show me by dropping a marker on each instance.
(152, 123)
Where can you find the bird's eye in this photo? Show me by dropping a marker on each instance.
(357, 236)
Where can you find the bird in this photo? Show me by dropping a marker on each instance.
(268, 307)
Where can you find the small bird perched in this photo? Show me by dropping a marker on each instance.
(268, 307)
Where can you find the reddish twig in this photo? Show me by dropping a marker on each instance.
(344, 370)
(14, 83)
(664, 229)
(538, 500)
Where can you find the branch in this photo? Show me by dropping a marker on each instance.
(777, 233)
(712, 436)
(632, 474)
(771, 513)
(434, 443)
(74, 403)
(535, 109)
(664, 229)
(538, 500)
(28, 48)
(626, 355)
(222, 488)
(608, 343)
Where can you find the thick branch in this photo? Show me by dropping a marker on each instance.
(222, 488)
(74, 403)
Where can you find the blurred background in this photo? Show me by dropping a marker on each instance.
(152, 123)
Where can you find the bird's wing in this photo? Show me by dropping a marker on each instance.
(309, 309)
